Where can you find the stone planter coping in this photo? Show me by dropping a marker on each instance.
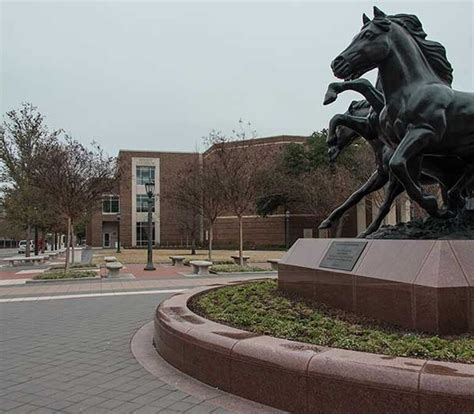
(305, 378)
(110, 259)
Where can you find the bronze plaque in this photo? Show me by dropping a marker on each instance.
(343, 255)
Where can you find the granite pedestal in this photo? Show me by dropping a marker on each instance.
(426, 285)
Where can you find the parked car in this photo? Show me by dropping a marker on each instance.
(22, 246)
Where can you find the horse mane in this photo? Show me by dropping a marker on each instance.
(434, 52)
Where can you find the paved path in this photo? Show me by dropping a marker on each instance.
(105, 285)
(71, 353)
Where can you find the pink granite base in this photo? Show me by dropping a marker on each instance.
(426, 285)
(304, 378)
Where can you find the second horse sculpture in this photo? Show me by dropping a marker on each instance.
(362, 119)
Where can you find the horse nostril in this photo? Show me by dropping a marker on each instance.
(338, 61)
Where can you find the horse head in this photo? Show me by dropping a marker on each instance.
(368, 48)
(341, 136)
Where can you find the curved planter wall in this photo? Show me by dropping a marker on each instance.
(305, 378)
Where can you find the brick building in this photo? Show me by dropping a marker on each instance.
(127, 209)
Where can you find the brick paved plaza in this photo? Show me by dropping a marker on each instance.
(65, 347)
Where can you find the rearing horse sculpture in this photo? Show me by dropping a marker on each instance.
(422, 114)
(358, 121)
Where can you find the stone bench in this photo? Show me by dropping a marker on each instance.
(22, 259)
(113, 268)
(200, 267)
(177, 260)
(110, 259)
(237, 260)
(274, 263)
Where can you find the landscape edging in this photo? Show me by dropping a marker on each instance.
(301, 377)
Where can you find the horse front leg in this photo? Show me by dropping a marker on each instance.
(376, 181)
(394, 189)
(358, 124)
(375, 98)
(405, 164)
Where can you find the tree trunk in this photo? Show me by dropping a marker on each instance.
(68, 240)
(193, 245)
(28, 241)
(241, 241)
(36, 241)
(73, 242)
(211, 235)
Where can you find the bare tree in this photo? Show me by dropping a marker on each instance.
(241, 165)
(23, 133)
(76, 177)
(198, 191)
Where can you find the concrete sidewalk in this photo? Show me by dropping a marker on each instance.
(105, 285)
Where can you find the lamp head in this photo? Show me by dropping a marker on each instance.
(150, 188)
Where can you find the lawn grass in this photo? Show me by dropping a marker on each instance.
(163, 255)
(71, 274)
(235, 268)
(259, 307)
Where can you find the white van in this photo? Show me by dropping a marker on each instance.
(22, 246)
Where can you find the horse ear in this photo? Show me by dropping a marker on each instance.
(379, 13)
(365, 19)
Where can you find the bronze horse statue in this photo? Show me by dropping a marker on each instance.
(422, 115)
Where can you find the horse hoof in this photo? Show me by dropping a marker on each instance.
(329, 98)
(446, 214)
(325, 225)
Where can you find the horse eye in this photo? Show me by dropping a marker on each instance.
(369, 35)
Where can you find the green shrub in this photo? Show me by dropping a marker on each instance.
(71, 274)
(261, 308)
(234, 268)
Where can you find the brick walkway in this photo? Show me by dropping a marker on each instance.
(73, 355)
(62, 288)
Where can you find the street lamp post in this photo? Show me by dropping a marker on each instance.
(287, 229)
(150, 192)
(118, 233)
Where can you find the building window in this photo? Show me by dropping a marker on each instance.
(142, 204)
(145, 174)
(142, 233)
(110, 205)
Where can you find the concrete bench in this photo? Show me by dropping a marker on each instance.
(274, 263)
(177, 260)
(200, 267)
(237, 260)
(23, 259)
(110, 259)
(113, 269)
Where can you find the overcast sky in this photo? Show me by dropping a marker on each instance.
(160, 76)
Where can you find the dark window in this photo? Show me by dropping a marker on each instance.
(111, 204)
(142, 204)
(142, 233)
(145, 175)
